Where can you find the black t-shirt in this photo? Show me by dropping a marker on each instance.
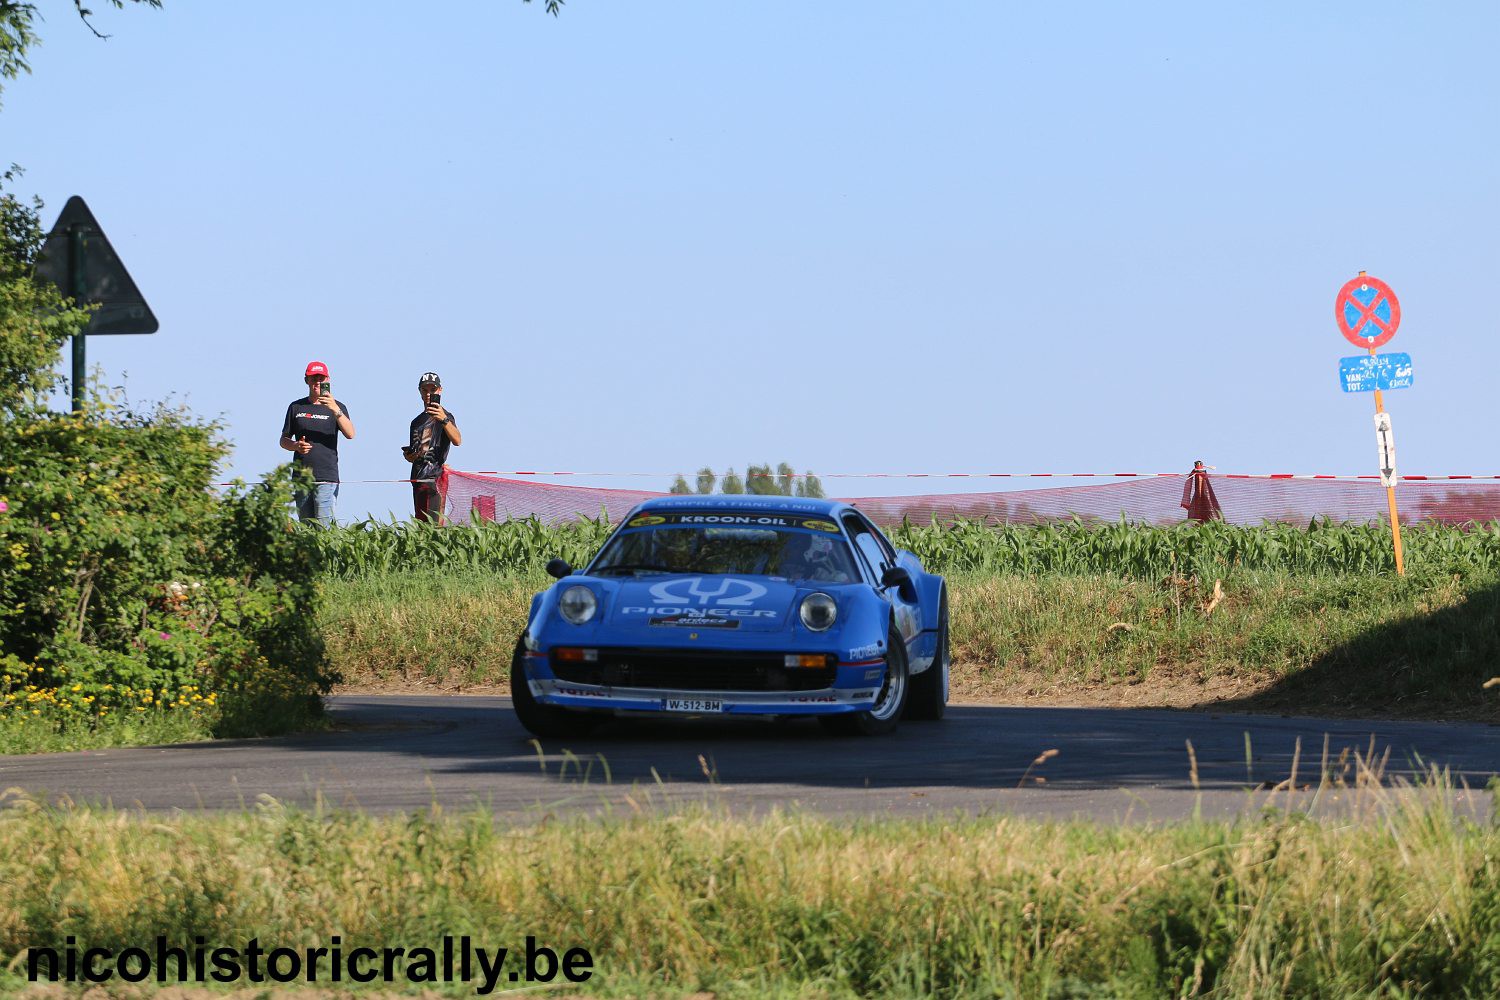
(315, 422)
(429, 444)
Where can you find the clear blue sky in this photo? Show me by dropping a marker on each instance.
(872, 236)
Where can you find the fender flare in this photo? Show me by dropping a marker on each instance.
(930, 588)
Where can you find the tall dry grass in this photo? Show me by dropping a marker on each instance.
(452, 629)
(1419, 644)
(1399, 898)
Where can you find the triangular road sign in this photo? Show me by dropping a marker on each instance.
(104, 281)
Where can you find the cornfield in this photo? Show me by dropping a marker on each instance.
(1205, 550)
(1122, 549)
(374, 547)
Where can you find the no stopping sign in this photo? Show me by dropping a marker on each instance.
(1367, 312)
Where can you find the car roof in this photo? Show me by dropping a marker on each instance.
(746, 501)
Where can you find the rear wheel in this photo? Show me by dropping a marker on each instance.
(929, 689)
(543, 720)
(889, 702)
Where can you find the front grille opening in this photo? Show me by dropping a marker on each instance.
(695, 670)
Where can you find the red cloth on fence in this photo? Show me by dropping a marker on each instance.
(1198, 497)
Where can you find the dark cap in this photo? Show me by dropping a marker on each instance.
(430, 378)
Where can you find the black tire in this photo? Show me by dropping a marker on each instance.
(929, 689)
(544, 720)
(889, 703)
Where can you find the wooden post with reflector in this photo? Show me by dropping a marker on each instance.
(1388, 474)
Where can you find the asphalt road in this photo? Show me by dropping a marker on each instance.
(393, 753)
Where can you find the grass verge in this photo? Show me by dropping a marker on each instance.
(1421, 646)
(1372, 644)
(1407, 903)
(50, 731)
(449, 630)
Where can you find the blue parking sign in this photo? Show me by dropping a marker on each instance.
(1368, 372)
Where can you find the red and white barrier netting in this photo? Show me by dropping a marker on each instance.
(1150, 498)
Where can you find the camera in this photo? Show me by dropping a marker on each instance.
(325, 388)
(437, 399)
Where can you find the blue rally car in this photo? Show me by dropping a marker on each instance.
(737, 605)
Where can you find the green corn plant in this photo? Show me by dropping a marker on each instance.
(1076, 546)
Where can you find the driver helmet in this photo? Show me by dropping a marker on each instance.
(819, 555)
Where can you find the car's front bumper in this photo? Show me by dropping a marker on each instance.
(854, 689)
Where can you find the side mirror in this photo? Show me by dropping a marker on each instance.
(895, 576)
(557, 569)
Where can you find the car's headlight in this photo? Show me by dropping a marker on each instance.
(577, 605)
(818, 612)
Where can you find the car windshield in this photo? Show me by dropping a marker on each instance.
(792, 553)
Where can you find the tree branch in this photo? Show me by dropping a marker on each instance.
(84, 13)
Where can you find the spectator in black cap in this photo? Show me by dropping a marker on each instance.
(433, 431)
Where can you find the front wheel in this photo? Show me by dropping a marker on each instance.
(883, 716)
(543, 720)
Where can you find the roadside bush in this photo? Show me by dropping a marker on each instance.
(126, 586)
(102, 506)
(262, 591)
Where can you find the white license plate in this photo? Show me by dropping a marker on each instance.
(692, 705)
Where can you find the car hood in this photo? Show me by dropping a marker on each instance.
(728, 603)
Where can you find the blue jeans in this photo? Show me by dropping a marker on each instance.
(317, 504)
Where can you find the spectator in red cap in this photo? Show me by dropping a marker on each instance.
(433, 431)
(311, 432)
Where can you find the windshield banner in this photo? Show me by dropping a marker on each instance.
(735, 520)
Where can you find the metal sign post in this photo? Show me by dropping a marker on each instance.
(76, 286)
(1368, 313)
